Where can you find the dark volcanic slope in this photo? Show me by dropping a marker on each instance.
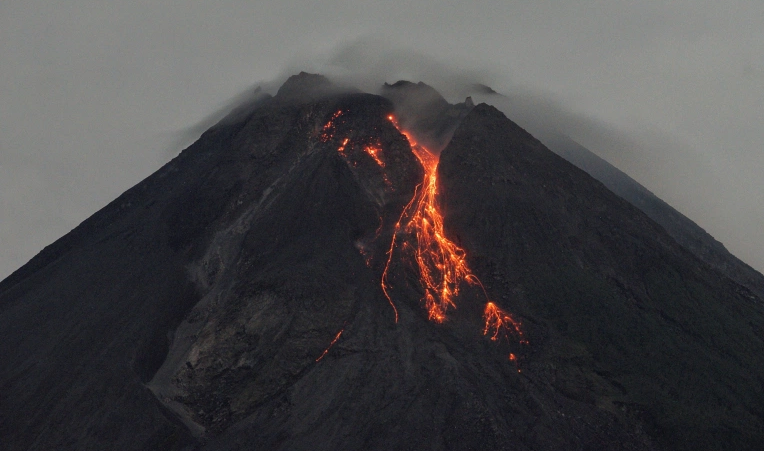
(192, 312)
(259, 208)
(625, 318)
(680, 227)
(686, 232)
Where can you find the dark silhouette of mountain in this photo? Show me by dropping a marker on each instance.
(233, 300)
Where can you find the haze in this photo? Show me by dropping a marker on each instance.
(95, 96)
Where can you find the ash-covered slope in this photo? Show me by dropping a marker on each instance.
(232, 300)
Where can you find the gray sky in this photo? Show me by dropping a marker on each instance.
(94, 96)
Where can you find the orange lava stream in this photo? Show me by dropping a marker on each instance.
(442, 264)
(341, 148)
(374, 152)
(336, 337)
(327, 132)
(498, 323)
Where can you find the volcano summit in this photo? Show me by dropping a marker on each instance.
(332, 270)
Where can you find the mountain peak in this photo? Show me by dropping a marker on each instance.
(423, 111)
(305, 87)
(483, 89)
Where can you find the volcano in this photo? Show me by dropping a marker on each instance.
(327, 269)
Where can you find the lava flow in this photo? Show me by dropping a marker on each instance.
(336, 337)
(497, 321)
(441, 263)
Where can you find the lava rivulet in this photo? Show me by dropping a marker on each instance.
(336, 337)
(374, 152)
(498, 323)
(330, 128)
(442, 263)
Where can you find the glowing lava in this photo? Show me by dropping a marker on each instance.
(336, 337)
(419, 233)
(498, 323)
(373, 150)
(327, 132)
(374, 153)
(341, 148)
(442, 264)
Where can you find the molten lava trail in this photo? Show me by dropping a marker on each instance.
(498, 322)
(441, 263)
(336, 337)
